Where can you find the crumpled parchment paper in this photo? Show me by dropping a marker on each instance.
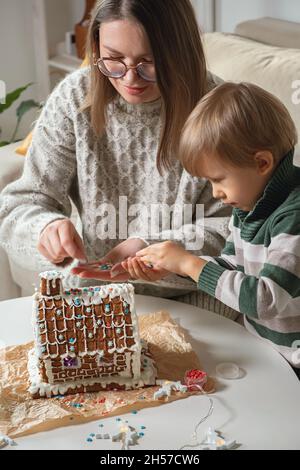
(21, 415)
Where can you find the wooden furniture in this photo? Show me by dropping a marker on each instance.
(81, 29)
(53, 60)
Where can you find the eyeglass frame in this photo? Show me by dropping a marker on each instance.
(127, 67)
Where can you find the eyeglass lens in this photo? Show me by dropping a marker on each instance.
(116, 69)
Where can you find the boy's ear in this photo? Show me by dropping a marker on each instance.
(264, 161)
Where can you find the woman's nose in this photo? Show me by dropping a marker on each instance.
(131, 75)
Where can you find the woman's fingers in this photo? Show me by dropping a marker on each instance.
(93, 273)
(53, 250)
(60, 242)
(70, 242)
(102, 277)
(54, 245)
(45, 251)
(93, 267)
(78, 241)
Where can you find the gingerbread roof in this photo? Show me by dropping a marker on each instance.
(88, 321)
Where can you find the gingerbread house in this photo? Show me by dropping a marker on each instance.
(86, 340)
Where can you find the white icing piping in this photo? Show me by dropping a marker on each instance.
(88, 299)
(51, 276)
(75, 304)
(147, 377)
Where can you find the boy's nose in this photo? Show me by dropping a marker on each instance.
(218, 194)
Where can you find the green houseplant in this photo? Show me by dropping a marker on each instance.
(22, 109)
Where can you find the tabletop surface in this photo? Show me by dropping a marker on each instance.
(260, 410)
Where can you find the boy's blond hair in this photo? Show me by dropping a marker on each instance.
(233, 122)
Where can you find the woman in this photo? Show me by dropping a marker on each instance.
(109, 134)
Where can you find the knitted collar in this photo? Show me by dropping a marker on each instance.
(143, 108)
(285, 178)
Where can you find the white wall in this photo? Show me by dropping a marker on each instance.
(17, 57)
(231, 12)
(17, 66)
(71, 13)
(205, 14)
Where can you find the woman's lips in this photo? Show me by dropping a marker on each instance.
(135, 91)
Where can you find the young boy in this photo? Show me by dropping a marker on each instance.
(242, 139)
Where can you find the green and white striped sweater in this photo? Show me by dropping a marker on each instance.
(258, 272)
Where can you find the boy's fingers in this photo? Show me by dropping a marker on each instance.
(117, 269)
(129, 268)
(147, 261)
(143, 252)
(145, 270)
(124, 265)
(138, 272)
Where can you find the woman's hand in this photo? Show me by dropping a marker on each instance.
(60, 243)
(172, 257)
(115, 257)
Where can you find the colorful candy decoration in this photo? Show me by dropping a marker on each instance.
(195, 379)
(70, 361)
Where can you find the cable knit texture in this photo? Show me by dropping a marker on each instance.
(67, 162)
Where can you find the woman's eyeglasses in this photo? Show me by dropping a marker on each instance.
(116, 68)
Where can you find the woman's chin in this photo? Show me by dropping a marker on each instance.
(135, 97)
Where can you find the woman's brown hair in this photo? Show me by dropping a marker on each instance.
(179, 60)
(234, 121)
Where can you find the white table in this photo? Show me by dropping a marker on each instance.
(261, 410)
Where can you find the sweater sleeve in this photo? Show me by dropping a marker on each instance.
(266, 295)
(227, 258)
(41, 195)
(201, 227)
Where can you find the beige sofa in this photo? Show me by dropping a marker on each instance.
(242, 56)
(239, 57)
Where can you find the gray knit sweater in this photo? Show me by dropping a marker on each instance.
(67, 162)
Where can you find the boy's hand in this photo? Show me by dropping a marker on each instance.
(115, 257)
(172, 257)
(138, 270)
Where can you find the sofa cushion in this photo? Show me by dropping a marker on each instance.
(271, 31)
(275, 69)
